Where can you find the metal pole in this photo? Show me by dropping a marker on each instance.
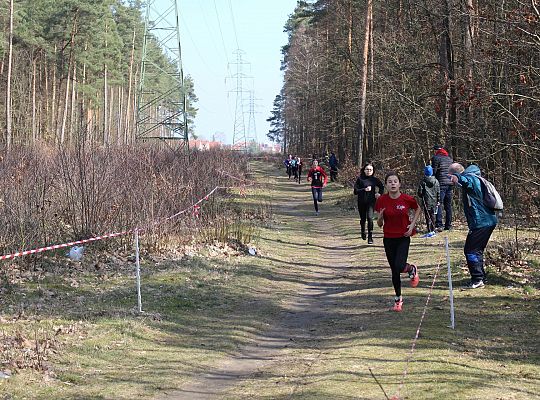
(452, 320)
(138, 269)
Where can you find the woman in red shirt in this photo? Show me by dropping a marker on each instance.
(394, 216)
(318, 178)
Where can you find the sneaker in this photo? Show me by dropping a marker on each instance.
(370, 239)
(363, 235)
(473, 285)
(413, 275)
(316, 213)
(398, 305)
(448, 228)
(439, 229)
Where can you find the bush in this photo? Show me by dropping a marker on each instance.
(55, 195)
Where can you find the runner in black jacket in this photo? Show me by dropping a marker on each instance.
(364, 188)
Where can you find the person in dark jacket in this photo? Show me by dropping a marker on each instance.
(481, 221)
(364, 188)
(288, 165)
(333, 164)
(299, 166)
(441, 162)
(429, 193)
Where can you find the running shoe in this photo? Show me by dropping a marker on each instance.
(413, 275)
(474, 285)
(398, 305)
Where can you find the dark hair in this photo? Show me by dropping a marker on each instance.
(392, 173)
(363, 172)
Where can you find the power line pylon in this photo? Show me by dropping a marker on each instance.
(239, 135)
(251, 135)
(161, 96)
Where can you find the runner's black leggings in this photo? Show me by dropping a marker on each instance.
(397, 251)
(366, 214)
(299, 173)
(317, 197)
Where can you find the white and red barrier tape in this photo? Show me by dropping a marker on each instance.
(195, 207)
(415, 340)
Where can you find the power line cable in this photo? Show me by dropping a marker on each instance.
(196, 48)
(221, 32)
(234, 24)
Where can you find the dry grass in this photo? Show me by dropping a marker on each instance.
(202, 307)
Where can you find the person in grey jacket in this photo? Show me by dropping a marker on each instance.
(481, 220)
(430, 196)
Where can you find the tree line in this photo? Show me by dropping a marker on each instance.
(388, 80)
(69, 70)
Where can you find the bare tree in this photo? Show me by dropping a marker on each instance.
(9, 133)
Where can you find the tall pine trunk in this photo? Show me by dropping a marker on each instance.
(9, 133)
(363, 90)
(34, 122)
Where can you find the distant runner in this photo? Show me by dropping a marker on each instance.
(288, 165)
(393, 208)
(364, 188)
(294, 167)
(299, 167)
(318, 178)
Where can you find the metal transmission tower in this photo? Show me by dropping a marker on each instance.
(240, 141)
(251, 135)
(161, 97)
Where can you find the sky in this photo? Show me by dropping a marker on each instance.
(211, 30)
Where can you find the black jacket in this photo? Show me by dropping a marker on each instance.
(440, 164)
(360, 186)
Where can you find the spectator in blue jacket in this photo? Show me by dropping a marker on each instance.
(481, 220)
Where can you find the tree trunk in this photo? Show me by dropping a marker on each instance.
(9, 133)
(363, 91)
(53, 101)
(65, 111)
(73, 102)
(34, 122)
(446, 55)
(130, 83)
(105, 107)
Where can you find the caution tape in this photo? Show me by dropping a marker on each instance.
(195, 208)
(59, 246)
(415, 340)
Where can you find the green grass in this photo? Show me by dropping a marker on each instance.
(200, 309)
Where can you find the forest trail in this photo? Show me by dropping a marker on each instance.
(336, 326)
(324, 254)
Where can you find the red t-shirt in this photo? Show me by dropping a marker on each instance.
(396, 213)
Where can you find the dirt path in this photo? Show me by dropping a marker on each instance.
(335, 326)
(312, 304)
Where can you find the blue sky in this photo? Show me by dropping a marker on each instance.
(207, 53)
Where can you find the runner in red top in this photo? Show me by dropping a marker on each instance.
(318, 178)
(394, 210)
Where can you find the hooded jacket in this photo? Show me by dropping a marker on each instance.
(429, 192)
(477, 214)
(441, 162)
